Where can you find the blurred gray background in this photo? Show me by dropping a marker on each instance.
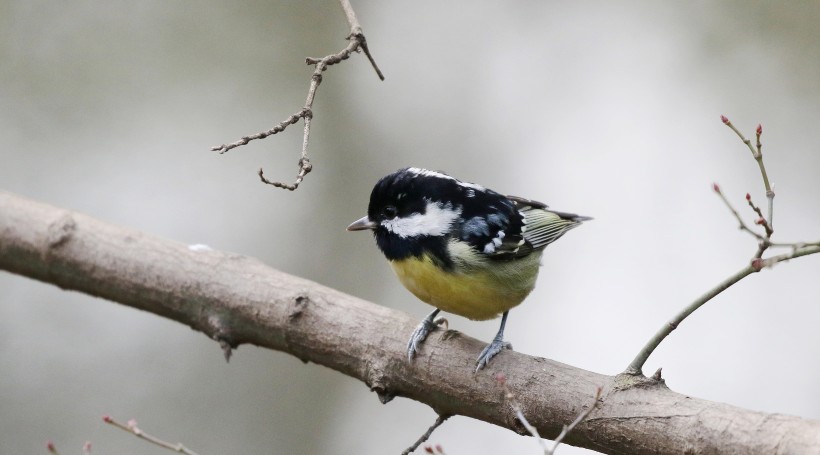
(609, 110)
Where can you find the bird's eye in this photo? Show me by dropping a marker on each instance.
(390, 212)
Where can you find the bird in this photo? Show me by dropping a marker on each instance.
(460, 247)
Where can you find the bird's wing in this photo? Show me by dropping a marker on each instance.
(542, 226)
(493, 225)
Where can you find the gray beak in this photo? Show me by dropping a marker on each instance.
(362, 224)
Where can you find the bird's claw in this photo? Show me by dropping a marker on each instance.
(489, 352)
(420, 334)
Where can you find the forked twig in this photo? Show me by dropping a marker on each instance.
(756, 264)
(581, 417)
(501, 379)
(757, 153)
(357, 41)
(439, 420)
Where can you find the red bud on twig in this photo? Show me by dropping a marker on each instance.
(107, 419)
(724, 119)
(50, 446)
(759, 129)
(760, 221)
(716, 187)
(748, 197)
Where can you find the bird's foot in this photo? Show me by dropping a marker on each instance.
(420, 334)
(490, 351)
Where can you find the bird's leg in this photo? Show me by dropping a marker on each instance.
(420, 334)
(495, 346)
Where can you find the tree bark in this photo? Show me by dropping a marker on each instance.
(236, 299)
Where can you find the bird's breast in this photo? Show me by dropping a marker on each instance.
(479, 293)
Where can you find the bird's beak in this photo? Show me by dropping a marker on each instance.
(362, 224)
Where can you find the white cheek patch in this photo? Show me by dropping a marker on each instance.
(436, 221)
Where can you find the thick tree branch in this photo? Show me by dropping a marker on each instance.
(236, 299)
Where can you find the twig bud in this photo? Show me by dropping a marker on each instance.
(748, 197)
(50, 446)
(724, 119)
(759, 129)
(760, 221)
(716, 187)
(757, 264)
(107, 419)
(428, 449)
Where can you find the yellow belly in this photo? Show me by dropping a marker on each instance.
(479, 295)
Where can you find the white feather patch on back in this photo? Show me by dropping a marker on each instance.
(436, 221)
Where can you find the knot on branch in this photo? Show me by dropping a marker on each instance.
(61, 230)
(385, 395)
(298, 307)
(220, 332)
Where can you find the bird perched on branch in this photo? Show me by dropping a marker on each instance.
(460, 247)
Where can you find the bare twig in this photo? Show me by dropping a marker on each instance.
(131, 427)
(501, 379)
(761, 220)
(357, 42)
(636, 367)
(756, 264)
(743, 225)
(509, 397)
(799, 251)
(439, 420)
(757, 153)
(764, 241)
(581, 417)
(356, 32)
